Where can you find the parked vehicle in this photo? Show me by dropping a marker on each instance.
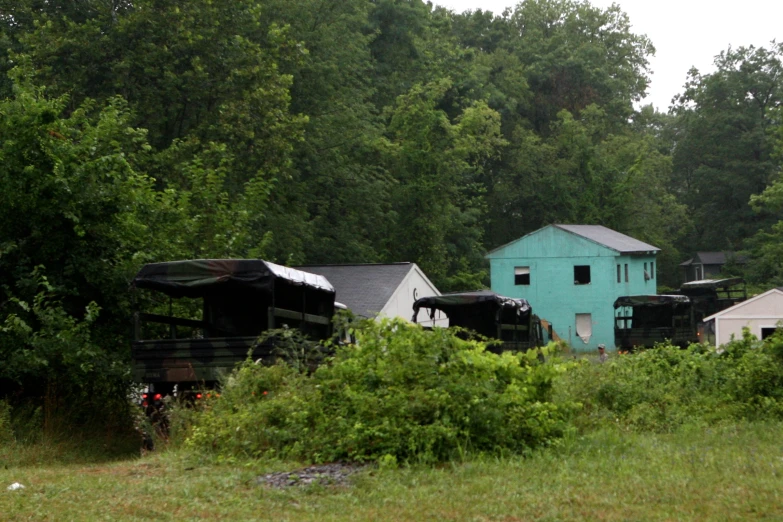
(644, 320)
(492, 315)
(710, 296)
(213, 315)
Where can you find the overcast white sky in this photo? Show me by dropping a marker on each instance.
(685, 33)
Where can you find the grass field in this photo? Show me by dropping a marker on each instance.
(730, 473)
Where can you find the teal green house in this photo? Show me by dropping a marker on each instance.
(571, 276)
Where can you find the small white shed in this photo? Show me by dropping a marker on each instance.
(761, 314)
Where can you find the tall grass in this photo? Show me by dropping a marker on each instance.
(730, 471)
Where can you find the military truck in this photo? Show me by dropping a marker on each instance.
(710, 296)
(644, 320)
(508, 320)
(207, 315)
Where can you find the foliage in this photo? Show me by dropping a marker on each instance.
(326, 131)
(47, 351)
(723, 144)
(399, 392)
(667, 387)
(436, 163)
(6, 431)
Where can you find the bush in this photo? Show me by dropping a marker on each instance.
(55, 375)
(666, 387)
(400, 392)
(6, 433)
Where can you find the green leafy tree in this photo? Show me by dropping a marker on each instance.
(723, 146)
(75, 215)
(577, 55)
(435, 161)
(200, 76)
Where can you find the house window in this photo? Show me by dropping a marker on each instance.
(584, 327)
(581, 274)
(652, 269)
(626, 272)
(619, 279)
(767, 332)
(522, 275)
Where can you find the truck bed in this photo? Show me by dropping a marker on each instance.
(647, 337)
(193, 360)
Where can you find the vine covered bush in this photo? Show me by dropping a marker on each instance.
(399, 393)
(667, 387)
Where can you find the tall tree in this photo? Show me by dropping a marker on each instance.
(722, 151)
(439, 204)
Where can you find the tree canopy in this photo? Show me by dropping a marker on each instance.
(330, 131)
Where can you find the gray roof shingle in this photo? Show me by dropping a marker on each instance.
(609, 238)
(363, 288)
(714, 258)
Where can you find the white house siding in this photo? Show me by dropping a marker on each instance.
(762, 311)
(414, 286)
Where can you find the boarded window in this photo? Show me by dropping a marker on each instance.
(522, 275)
(584, 327)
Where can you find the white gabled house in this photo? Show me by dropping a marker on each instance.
(761, 314)
(381, 289)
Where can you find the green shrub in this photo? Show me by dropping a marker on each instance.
(401, 393)
(6, 432)
(666, 387)
(56, 375)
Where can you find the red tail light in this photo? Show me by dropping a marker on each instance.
(144, 396)
(158, 396)
(198, 395)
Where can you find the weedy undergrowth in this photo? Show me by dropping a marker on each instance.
(400, 392)
(666, 387)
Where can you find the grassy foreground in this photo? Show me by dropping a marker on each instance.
(730, 473)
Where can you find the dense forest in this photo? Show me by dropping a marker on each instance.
(332, 131)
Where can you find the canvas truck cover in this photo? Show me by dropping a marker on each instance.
(650, 300)
(453, 302)
(481, 311)
(712, 284)
(198, 277)
(241, 299)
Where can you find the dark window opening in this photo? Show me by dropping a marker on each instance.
(582, 274)
(522, 275)
(652, 270)
(619, 278)
(626, 272)
(768, 332)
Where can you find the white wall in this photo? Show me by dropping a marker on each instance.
(763, 311)
(414, 286)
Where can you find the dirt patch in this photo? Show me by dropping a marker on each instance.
(336, 474)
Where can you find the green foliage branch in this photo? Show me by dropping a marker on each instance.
(664, 388)
(399, 393)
